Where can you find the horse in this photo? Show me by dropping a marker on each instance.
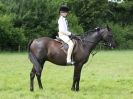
(47, 49)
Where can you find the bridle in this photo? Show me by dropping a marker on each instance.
(99, 32)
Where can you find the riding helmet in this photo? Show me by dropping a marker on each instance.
(64, 8)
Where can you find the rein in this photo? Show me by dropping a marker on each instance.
(88, 41)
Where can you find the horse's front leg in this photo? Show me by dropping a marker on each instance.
(76, 77)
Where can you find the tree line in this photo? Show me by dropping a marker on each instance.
(24, 20)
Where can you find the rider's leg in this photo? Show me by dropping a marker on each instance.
(69, 52)
(67, 40)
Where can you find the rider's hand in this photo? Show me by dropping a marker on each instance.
(72, 36)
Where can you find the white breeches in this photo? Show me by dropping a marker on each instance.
(67, 40)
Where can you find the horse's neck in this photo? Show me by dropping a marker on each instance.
(91, 41)
(88, 43)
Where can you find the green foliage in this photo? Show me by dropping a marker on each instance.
(73, 24)
(28, 19)
(90, 12)
(123, 36)
(10, 37)
(121, 13)
(129, 37)
(2, 8)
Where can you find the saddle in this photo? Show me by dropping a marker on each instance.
(64, 46)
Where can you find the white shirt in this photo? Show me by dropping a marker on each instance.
(63, 26)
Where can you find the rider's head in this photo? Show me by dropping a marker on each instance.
(63, 10)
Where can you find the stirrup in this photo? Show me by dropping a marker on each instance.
(71, 63)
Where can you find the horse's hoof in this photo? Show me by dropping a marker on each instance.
(41, 88)
(77, 89)
(73, 89)
(31, 90)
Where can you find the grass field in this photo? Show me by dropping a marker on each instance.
(108, 76)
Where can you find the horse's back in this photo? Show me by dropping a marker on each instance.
(43, 41)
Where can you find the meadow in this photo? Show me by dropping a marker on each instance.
(108, 76)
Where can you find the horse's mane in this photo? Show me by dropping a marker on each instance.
(89, 32)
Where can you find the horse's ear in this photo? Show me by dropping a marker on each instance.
(97, 29)
(109, 29)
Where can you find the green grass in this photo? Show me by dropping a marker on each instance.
(108, 76)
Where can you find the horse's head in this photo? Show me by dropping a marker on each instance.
(107, 37)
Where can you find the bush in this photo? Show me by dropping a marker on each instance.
(122, 35)
(10, 37)
(73, 24)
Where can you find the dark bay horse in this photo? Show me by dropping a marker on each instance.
(47, 49)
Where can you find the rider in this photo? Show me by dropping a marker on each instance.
(64, 33)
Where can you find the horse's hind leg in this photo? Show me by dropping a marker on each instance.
(38, 75)
(32, 75)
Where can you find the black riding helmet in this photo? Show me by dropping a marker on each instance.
(64, 8)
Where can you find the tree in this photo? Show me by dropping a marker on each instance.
(23, 20)
(10, 37)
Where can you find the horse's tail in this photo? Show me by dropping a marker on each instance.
(33, 58)
(28, 47)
